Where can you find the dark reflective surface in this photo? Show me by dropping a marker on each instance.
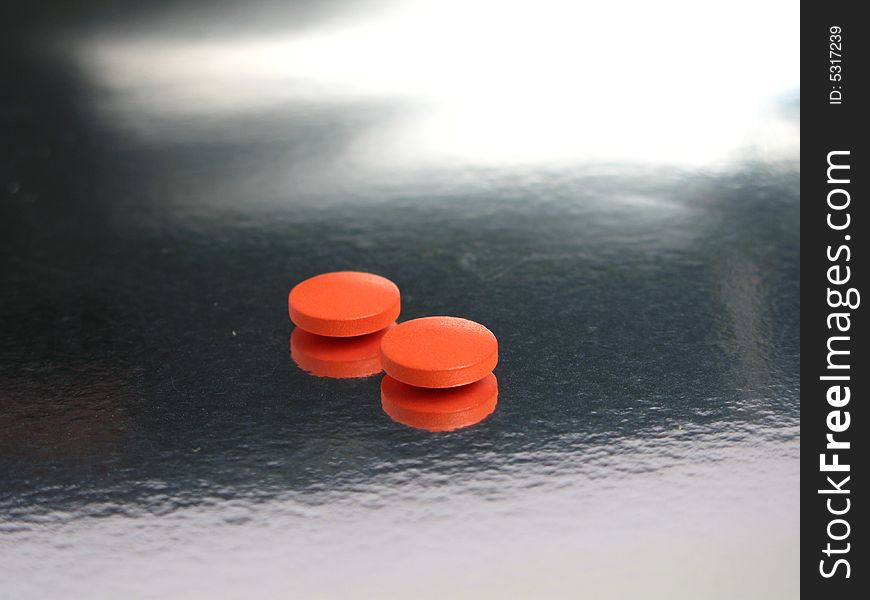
(152, 422)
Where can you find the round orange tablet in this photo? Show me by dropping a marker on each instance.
(336, 357)
(439, 410)
(439, 352)
(344, 303)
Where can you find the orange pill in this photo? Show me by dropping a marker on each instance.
(439, 352)
(439, 410)
(337, 357)
(344, 304)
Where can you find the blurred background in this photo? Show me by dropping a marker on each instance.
(612, 189)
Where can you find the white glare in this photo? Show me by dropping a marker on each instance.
(496, 81)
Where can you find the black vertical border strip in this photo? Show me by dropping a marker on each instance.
(830, 127)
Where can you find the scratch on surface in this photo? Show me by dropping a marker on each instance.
(513, 265)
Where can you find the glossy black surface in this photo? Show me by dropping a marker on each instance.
(156, 440)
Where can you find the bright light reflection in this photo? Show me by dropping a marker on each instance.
(497, 81)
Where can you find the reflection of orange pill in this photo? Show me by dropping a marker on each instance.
(335, 357)
(344, 303)
(439, 352)
(439, 410)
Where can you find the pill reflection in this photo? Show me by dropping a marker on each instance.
(339, 358)
(439, 409)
